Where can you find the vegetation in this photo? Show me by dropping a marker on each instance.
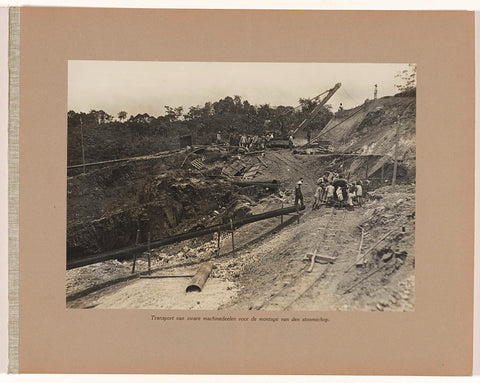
(408, 81)
(108, 138)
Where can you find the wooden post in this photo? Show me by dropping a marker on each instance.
(233, 237)
(135, 255)
(148, 246)
(281, 217)
(83, 148)
(394, 178)
(134, 261)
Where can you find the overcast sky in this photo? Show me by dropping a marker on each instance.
(146, 87)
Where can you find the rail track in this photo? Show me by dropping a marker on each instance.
(326, 244)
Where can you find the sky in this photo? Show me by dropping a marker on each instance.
(147, 87)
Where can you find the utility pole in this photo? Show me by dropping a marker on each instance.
(397, 138)
(83, 148)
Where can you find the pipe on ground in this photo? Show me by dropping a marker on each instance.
(197, 282)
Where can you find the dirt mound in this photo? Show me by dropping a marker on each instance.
(370, 134)
(392, 287)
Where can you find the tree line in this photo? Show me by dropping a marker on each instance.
(108, 137)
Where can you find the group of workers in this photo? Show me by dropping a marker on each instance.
(332, 190)
(249, 142)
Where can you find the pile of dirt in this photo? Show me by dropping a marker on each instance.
(370, 133)
(389, 212)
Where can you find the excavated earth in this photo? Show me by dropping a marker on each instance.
(268, 270)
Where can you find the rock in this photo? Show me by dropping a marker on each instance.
(379, 307)
(393, 301)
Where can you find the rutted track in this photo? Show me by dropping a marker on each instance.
(325, 245)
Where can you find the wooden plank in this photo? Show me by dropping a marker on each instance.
(369, 250)
(262, 162)
(319, 258)
(312, 259)
(360, 260)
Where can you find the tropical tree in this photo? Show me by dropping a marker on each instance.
(122, 115)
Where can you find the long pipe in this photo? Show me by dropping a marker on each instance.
(131, 250)
(272, 184)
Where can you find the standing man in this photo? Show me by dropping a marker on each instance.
(339, 193)
(359, 193)
(318, 195)
(375, 92)
(219, 137)
(290, 142)
(330, 189)
(298, 193)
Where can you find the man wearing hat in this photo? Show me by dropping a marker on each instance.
(298, 193)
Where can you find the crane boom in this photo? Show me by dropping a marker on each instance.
(317, 109)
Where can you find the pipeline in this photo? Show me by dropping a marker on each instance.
(131, 250)
(264, 184)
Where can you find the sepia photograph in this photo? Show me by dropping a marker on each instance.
(241, 186)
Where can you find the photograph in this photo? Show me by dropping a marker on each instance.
(273, 186)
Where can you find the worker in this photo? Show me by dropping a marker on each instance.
(359, 192)
(219, 137)
(365, 189)
(375, 91)
(290, 142)
(298, 193)
(330, 189)
(351, 196)
(339, 193)
(318, 195)
(340, 107)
